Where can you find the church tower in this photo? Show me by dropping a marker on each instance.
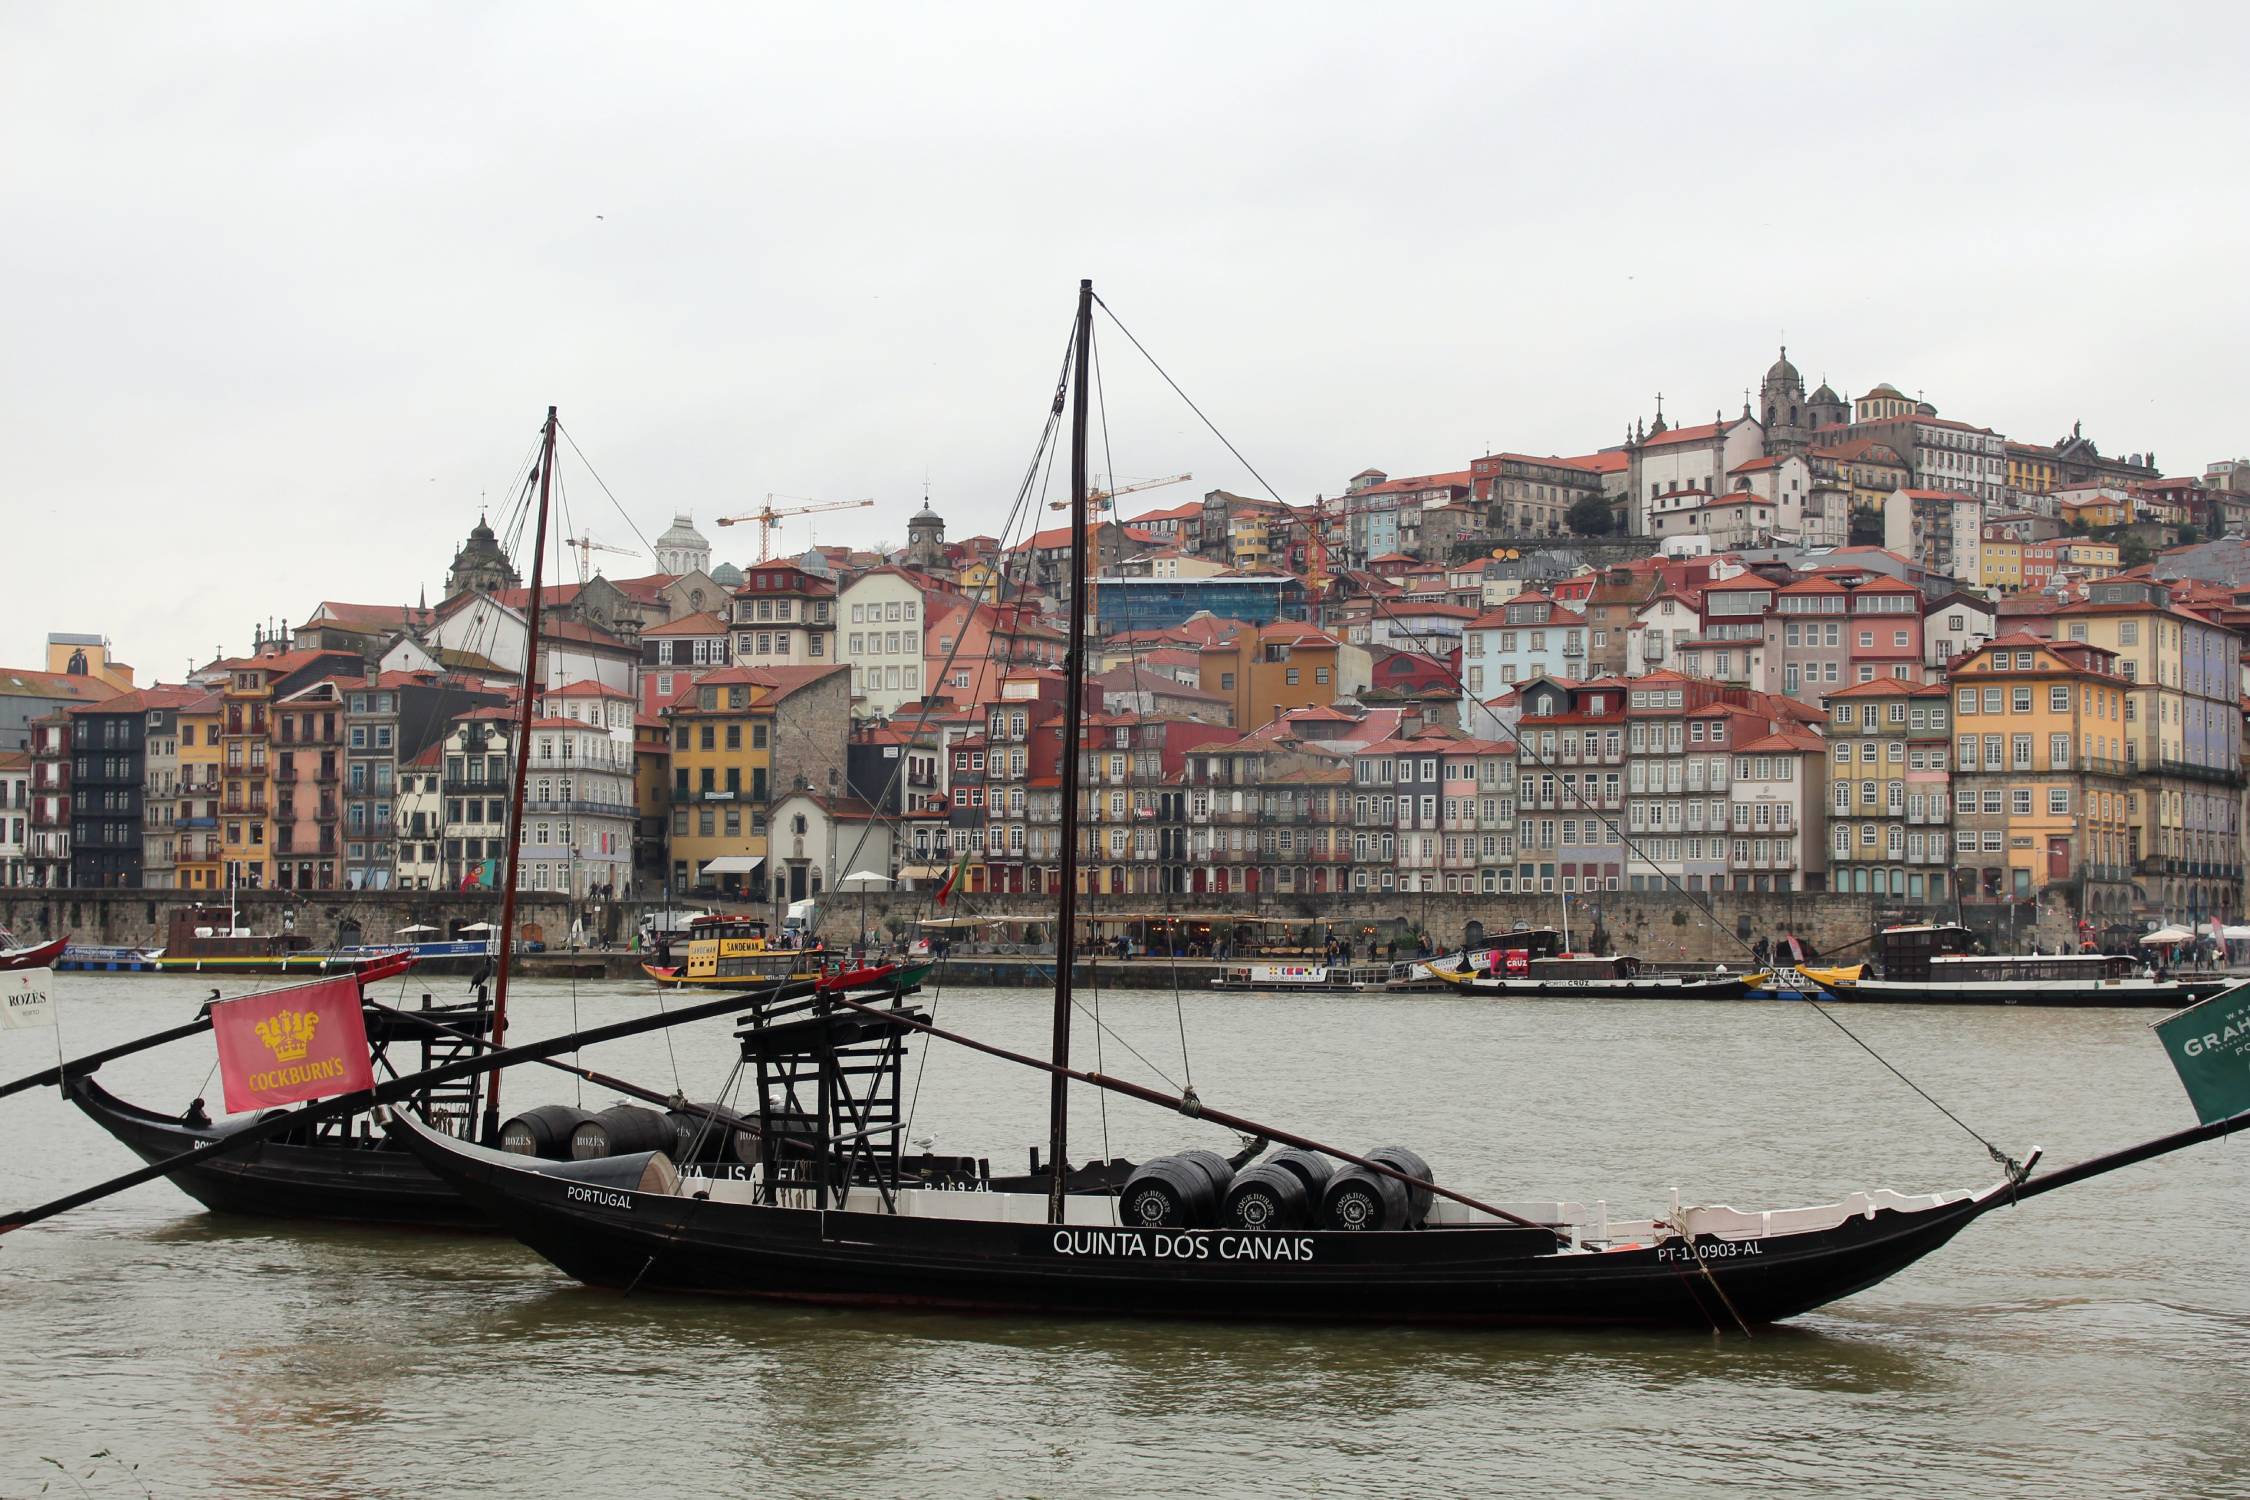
(1783, 408)
(480, 567)
(925, 539)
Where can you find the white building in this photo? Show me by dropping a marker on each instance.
(421, 821)
(1954, 626)
(15, 816)
(682, 549)
(1941, 530)
(578, 807)
(1660, 627)
(817, 840)
(885, 613)
(1681, 459)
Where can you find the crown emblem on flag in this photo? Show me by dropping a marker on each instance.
(289, 1033)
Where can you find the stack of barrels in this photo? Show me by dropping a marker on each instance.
(1290, 1190)
(564, 1132)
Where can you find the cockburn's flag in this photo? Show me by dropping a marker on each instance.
(287, 1046)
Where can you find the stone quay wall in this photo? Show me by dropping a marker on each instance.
(1660, 927)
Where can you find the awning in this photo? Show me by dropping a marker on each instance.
(921, 872)
(733, 864)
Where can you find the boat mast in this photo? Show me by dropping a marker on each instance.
(1074, 697)
(515, 790)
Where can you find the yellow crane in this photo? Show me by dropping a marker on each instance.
(1100, 500)
(768, 518)
(587, 546)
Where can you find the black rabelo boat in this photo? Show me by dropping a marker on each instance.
(1313, 1234)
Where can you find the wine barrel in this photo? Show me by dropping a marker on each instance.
(690, 1126)
(1170, 1193)
(1310, 1167)
(1267, 1196)
(1215, 1167)
(543, 1132)
(621, 1130)
(1399, 1159)
(1356, 1198)
(749, 1142)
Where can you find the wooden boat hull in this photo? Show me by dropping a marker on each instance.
(36, 956)
(1645, 987)
(679, 979)
(1463, 1276)
(2148, 993)
(368, 1182)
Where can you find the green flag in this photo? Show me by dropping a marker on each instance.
(2210, 1046)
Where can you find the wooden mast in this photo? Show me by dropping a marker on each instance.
(1074, 697)
(515, 790)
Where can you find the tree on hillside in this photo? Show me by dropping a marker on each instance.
(1589, 517)
(2132, 551)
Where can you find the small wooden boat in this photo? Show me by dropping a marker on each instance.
(20, 955)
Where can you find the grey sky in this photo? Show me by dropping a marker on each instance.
(289, 285)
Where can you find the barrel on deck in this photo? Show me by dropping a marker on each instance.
(1310, 1167)
(1169, 1193)
(543, 1132)
(696, 1136)
(1356, 1198)
(621, 1130)
(1268, 1196)
(1399, 1159)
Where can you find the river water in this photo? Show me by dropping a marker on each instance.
(2090, 1343)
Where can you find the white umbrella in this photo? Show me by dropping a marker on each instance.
(478, 927)
(863, 879)
(413, 927)
(2164, 937)
(868, 875)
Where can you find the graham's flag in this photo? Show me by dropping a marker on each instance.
(287, 1046)
(952, 881)
(2210, 1047)
(27, 998)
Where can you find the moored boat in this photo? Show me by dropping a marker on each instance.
(717, 951)
(20, 955)
(207, 940)
(1935, 964)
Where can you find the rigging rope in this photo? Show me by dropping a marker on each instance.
(1525, 750)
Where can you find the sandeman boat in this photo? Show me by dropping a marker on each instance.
(827, 1215)
(725, 952)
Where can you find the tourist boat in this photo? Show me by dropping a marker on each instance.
(20, 955)
(827, 1217)
(720, 951)
(1297, 976)
(1935, 964)
(1532, 964)
(209, 940)
(105, 958)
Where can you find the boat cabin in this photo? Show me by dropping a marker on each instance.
(1947, 952)
(210, 932)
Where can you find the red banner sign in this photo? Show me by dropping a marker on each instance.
(287, 1046)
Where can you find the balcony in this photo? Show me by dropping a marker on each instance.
(2098, 765)
(2214, 775)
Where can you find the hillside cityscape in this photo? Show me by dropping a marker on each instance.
(1823, 643)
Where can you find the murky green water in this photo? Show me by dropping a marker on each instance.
(2091, 1343)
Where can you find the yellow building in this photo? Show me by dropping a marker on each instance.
(2031, 469)
(2183, 743)
(2001, 561)
(2041, 788)
(2096, 559)
(197, 856)
(87, 656)
(245, 780)
(2096, 511)
(722, 768)
(979, 580)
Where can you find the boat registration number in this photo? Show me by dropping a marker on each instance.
(1716, 1250)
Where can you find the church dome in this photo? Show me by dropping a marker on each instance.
(1784, 373)
(1885, 391)
(727, 576)
(682, 533)
(1826, 397)
(927, 516)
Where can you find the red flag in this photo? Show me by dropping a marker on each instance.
(286, 1046)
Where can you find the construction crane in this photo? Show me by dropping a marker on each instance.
(1100, 500)
(768, 518)
(587, 547)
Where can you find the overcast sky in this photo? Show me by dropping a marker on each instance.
(289, 286)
